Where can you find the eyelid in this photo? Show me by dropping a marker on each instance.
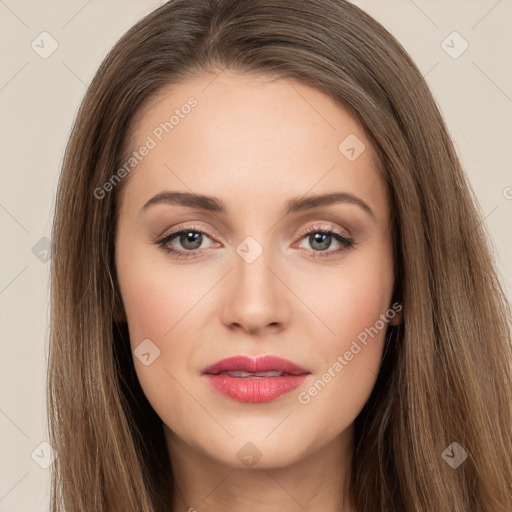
(325, 227)
(345, 239)
(189, 227)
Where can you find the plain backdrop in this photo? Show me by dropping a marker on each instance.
(462, 47)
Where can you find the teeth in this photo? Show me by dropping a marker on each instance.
(239, 373)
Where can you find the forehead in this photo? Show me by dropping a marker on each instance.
(238, 137)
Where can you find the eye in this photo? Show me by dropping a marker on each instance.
(321, 238)
(190, 238)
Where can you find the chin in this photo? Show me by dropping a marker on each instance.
(253, 450)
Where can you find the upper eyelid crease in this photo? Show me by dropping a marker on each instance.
(293, 205)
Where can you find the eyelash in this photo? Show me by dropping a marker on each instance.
(345, 241)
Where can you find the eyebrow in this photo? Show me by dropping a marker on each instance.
(294, 205)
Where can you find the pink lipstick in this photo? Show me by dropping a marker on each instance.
(255, 380)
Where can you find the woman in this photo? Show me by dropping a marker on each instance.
(271, 287)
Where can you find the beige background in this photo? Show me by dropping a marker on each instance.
(38, 100)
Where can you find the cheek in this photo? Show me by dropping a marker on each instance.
(356, 307)
(351, 299)
(155, 294)
(164, 303)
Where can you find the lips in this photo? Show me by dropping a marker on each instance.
(261, 379)
(255, 365)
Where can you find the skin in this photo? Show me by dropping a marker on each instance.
(255, 143)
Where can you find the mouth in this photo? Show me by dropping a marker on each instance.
(255, 380)
(258, 375)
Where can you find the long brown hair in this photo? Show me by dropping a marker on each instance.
(446, 373)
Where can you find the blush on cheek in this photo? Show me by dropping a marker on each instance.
(355, 309)
(143, 311)
(161, 300)
(149, 295)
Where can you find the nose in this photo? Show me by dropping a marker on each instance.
(255, 298)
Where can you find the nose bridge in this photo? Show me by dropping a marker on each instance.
(252, 262)
(256, 296)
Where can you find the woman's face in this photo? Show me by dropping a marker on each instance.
(253, 274)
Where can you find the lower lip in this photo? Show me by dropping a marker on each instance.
(255, 390)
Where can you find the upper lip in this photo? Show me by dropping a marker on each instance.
(255, 365)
